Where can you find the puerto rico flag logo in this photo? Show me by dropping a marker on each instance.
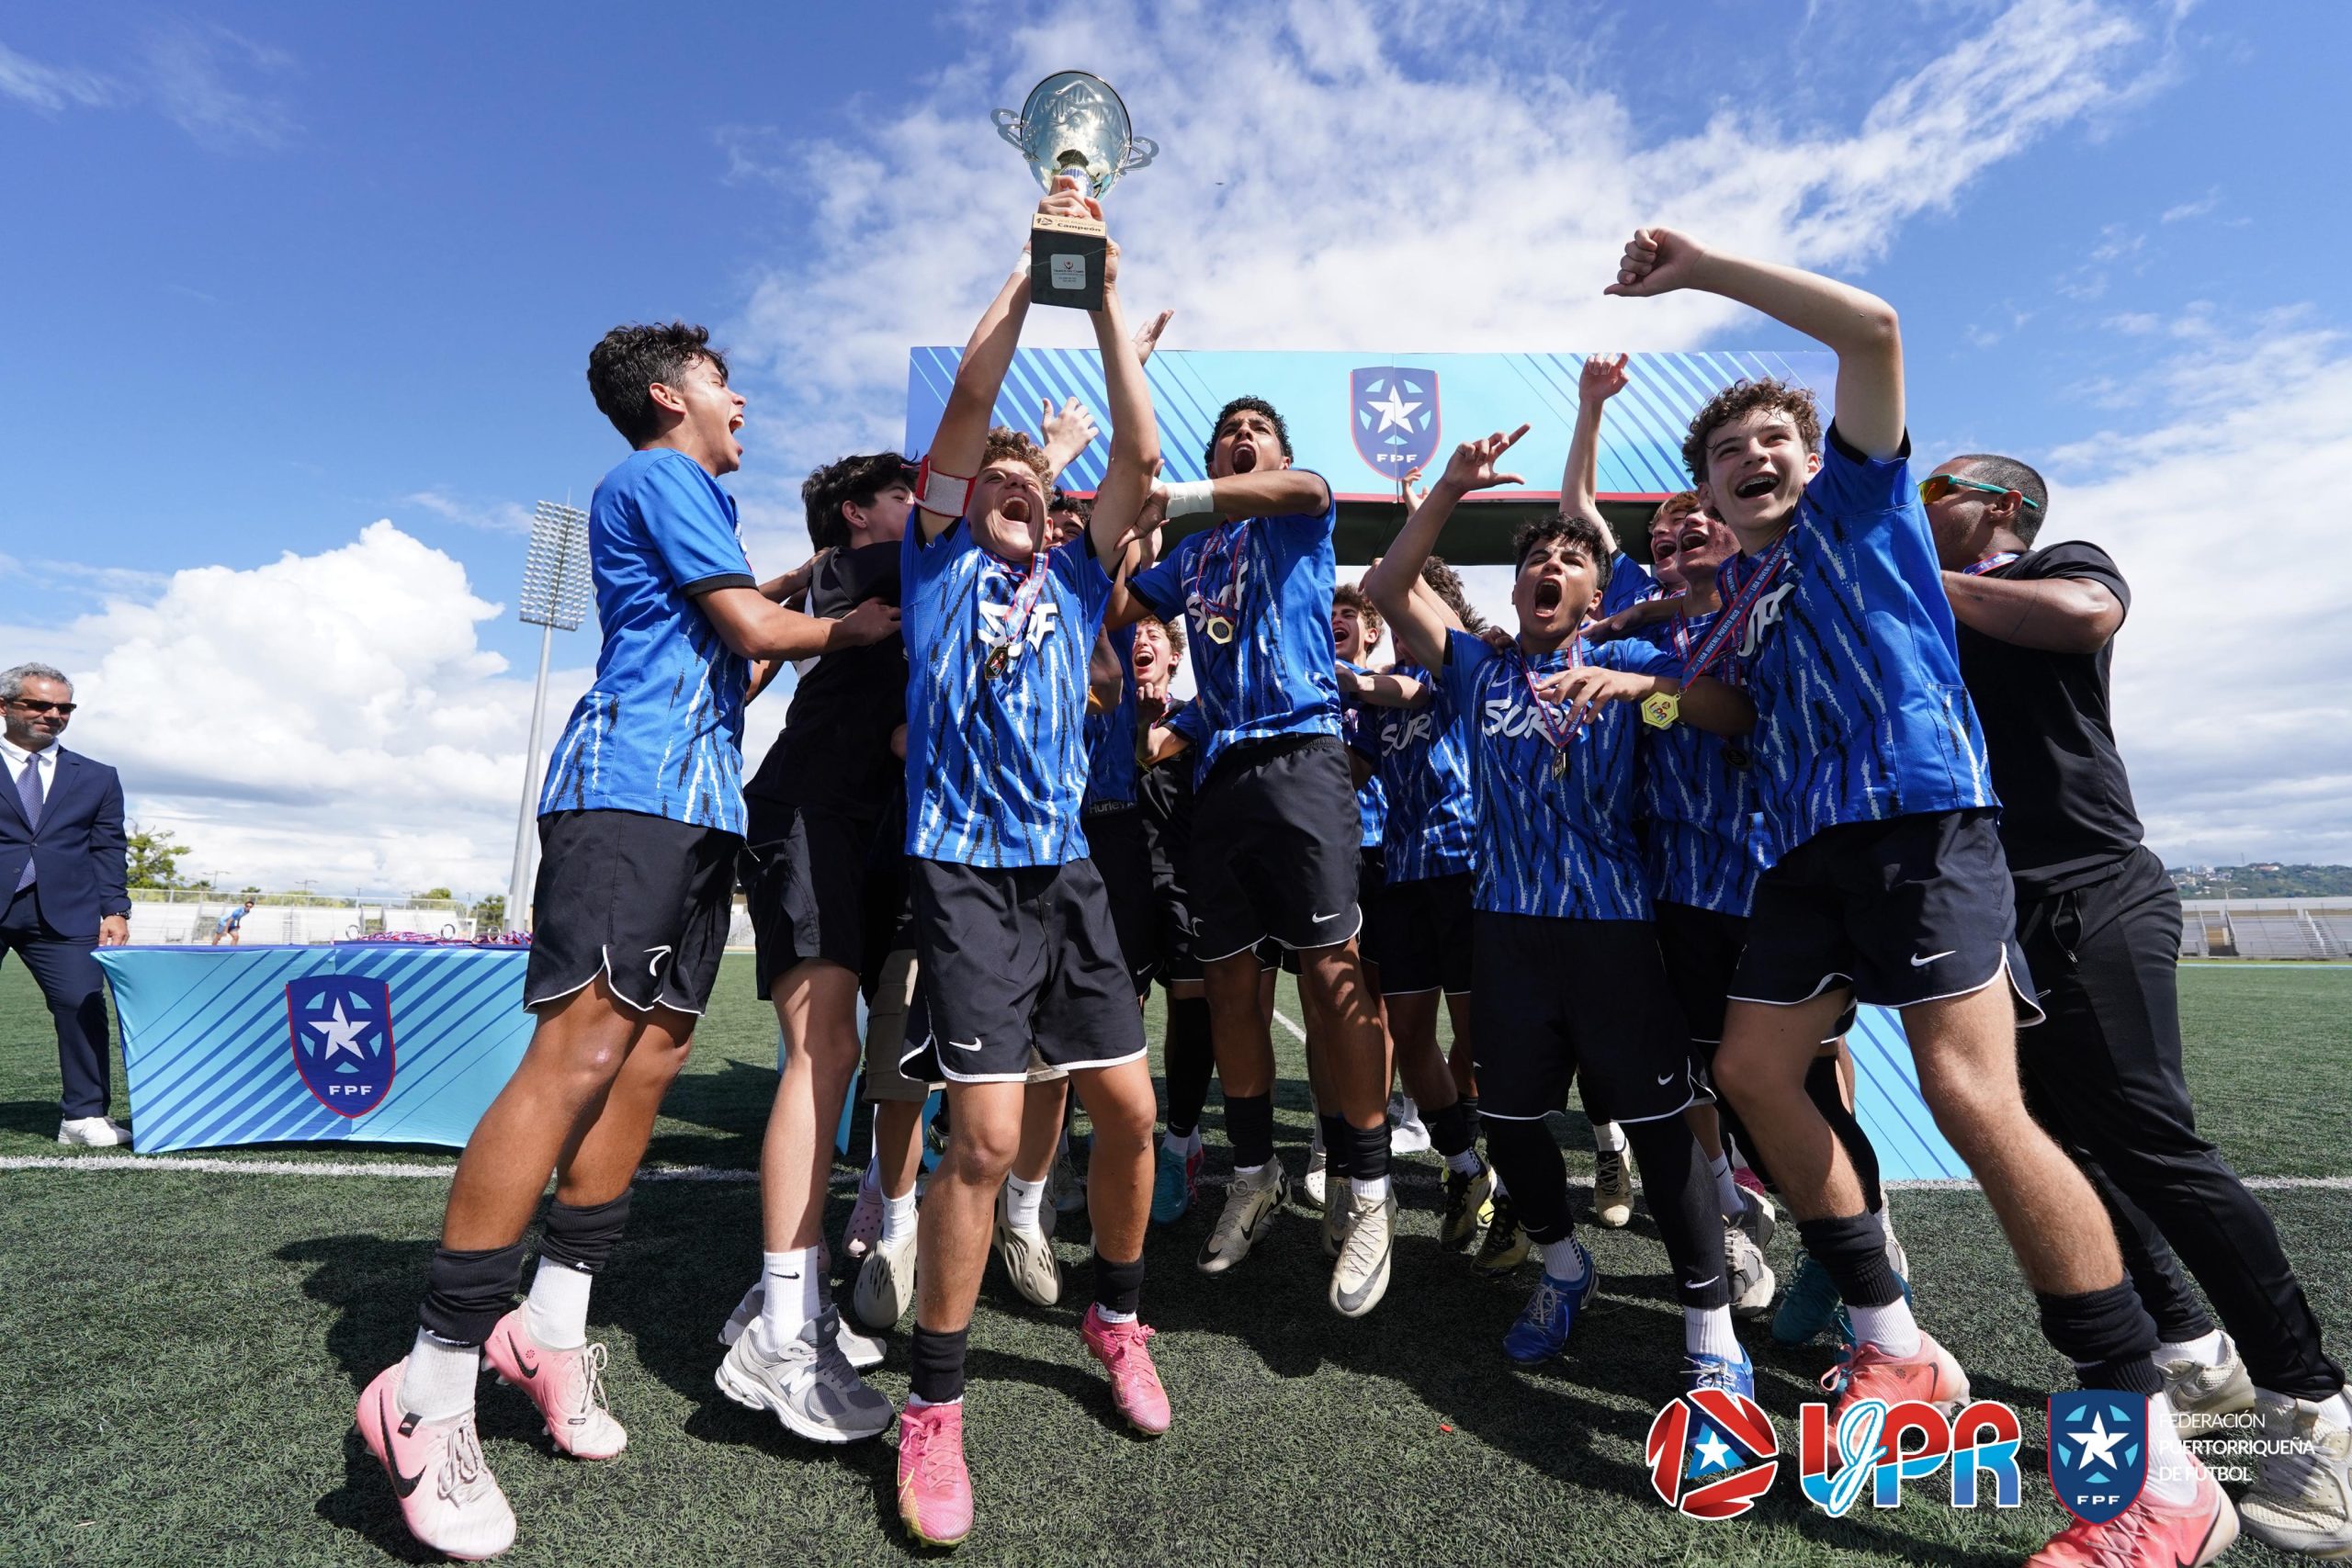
(1711, 1453)
(1394, 418)
(2098, 1451)
(342, 1028)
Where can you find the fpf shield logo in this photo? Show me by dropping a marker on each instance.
(1711, 1453)
(1394, 418)
(2098, 1451)
(342, 1028)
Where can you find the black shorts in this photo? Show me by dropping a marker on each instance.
(1559, 997)
(640, 899)
(806, 876)
(1701, 948)
(1912, 910)
(1419, 934)
(1114, 843)
(1372, 876)
(1014, 959)
(1275, 833)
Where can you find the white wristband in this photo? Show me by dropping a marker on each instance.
(1188, 496)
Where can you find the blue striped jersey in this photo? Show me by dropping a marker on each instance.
(661, 729)
(1853, 662)
(1697, 802)
(1630, 582)
(1111, 737)
(1266, 582)
(1422, 758)
(1371, 798)
(996, 761)
(1556, 845)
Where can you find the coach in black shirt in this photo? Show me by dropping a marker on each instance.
(2099, 920)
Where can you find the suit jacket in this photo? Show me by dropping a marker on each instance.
(78, 853)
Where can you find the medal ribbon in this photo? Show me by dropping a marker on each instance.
(1221, 545)
(1991, 563)
(1559, 735)
(1733, 620)
(1031, 585)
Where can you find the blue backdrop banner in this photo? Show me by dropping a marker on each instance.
(362, 1042)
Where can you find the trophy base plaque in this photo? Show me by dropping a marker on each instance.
(1066, 261)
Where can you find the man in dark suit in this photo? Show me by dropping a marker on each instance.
(61, 875)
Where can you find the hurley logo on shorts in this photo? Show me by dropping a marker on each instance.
(342, 1030)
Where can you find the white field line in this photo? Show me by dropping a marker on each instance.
(1298, 1032)
(1409, 1177)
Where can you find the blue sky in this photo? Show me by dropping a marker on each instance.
(300, 269)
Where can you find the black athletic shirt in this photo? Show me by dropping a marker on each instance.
(834, 751)
(2066, 813)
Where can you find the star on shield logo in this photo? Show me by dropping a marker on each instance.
(342, 1028)
(1395, 418)
(2098, 1451)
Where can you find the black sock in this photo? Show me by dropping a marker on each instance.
(1249, 1127)
(936, 1365)
(1191, 1063)
(1336, 1146)
(583, 1239)
(467, 1292)
(1680, 1191)
(2109, 1336)
(1528, 1159)
(1820, 1088)
(1452, 1130)
(1117, 1286)
(1367, 1151)
(1469, 1103)
(1853, 1249)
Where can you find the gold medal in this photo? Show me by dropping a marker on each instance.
(1560, 762)
(1220, 630)
(1660, 709)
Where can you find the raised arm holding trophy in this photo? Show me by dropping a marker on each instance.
(1072, 125)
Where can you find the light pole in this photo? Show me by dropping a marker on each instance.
(556, 590)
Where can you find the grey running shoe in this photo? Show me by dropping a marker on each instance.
(1361, 1277)
(1751, 1277)
(1249, 1208)
(808, 1384)
(1756, 1218)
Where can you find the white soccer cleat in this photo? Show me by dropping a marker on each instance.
(1361, 1277)
(1613, 1190)
(449, 1498)
(2301, 1495)
(2203, 1398)
(1249, 1208)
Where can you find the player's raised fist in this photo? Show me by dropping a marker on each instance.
(1602, 377)
(1069, 199)
(1656, 261)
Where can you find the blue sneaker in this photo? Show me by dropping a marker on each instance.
(1542, 1331)
(1807, 1306)
(1174, 1183)
(1700, 1371)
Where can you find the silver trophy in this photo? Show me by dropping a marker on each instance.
(1072, 124)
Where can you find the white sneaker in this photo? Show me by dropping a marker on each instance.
(93, 1133)
(1361, 1277)
(2202, 1397)
(1249, 1208)
(886, 1284)
(1027, 1255)
(862, 1349)
(1313, 1189)
(1752, 1282)
(2301, 1495)
(808, 1384)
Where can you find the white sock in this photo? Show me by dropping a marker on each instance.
(1466, 1162)
(1370, 1189)
(2170, 1476)
(2335, 1409)
(1247, 1172)
(1412, 1112)
(1707, 1331)
(1609, 1135)
(795, 1294)
(2208, 1350)
(557, 1308)
(914, 1404)
(1727, 1192)
(1022, 1201)
(1107, 1316)
(1189, 1143)
(440, 1379)
(1564, 1260)
(897, 1218)
(1499, 1183)
(1889, 1327)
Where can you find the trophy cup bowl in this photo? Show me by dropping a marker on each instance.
(1072, 125)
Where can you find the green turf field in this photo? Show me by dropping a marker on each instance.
(183, 1352)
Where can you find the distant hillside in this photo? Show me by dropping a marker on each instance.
(2263, 880)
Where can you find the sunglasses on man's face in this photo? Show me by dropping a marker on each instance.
(29, 705)
(1935, 487)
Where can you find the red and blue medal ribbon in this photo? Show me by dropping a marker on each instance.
(1733, 618)
(1220, 544)
(1992, 563)
(1559, 733)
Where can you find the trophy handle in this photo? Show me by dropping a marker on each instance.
(1008, 125)
(1141, 150)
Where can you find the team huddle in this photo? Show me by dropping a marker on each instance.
(1842, 740)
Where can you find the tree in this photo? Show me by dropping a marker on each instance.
(436, 893)
(249, 891)
(154, 856)
(490, 914)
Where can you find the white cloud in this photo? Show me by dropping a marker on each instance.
(201, 78)
(48, 88)
(2185, 210)
(495, 516)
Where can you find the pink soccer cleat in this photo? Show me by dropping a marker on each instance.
(566, 1385)
(449, 1498)
(935, 1489)
(1865, 1371)
(2151, 1533)
(1135, 1382)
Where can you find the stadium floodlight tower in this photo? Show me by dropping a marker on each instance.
(556, 592)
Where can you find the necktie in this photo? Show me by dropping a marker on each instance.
(28, 793)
